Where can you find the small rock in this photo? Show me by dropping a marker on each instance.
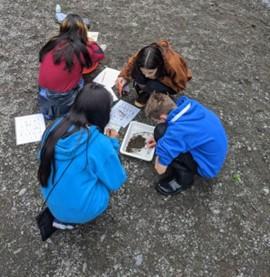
(215, 211)
(138, 260)
(84, 267)
(17, 251)
(265, 191)
(22, 191)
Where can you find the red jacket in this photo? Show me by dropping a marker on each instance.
(176, 68)
(56, 78)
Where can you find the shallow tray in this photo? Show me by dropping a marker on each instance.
(146, 131)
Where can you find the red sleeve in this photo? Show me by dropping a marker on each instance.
(95, 52)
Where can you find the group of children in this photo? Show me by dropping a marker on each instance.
(79, 158)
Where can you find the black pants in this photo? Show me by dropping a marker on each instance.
(183, 168)
(147, 86)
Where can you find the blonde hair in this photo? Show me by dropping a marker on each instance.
(158, 104)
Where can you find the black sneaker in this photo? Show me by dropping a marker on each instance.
(141, 100)
(169, 187)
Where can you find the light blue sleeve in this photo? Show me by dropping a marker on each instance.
(112, 174)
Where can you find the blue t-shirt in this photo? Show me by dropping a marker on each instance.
(92, 169)
(195, 129)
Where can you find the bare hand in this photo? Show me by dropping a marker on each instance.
(161, 169)
(111, 133)
(150, 143)
(120, 83)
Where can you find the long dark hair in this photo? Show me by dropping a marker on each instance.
(72, 40)
(92, 106)
(150, 57)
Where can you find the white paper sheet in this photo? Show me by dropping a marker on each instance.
(122, 113)
(93, 35)
(107, 77)
(29, 128)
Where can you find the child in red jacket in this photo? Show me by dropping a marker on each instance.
(62, 61)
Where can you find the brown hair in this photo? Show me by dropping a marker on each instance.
(71, 41)
(158, 103)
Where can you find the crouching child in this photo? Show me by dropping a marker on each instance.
(190, 140)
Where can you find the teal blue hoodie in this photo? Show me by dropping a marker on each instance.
(92, 169)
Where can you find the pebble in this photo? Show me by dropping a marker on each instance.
(139, 259)
(17, 251)
(84, 267)
(265, 191)
(22, 191)
(215, 211)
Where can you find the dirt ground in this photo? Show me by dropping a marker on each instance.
(218, 228)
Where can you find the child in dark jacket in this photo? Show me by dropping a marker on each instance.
(189, 139)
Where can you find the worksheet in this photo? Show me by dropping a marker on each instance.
(93, 35)
(122, 113)
(107, 78)
(29, 128)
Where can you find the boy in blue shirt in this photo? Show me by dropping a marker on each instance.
(189, 140)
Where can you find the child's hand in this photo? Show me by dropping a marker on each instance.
(111, 133)
(120, 83)
(150, 143)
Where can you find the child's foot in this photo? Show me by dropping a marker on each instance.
(169, 187)
(62, 226)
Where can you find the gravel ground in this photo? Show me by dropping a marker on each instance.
(218, 228)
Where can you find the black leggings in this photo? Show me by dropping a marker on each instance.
(183, 168)
(148, 86)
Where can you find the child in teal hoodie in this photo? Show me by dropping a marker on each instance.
(79, 164)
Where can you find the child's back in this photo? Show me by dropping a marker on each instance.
(190, 140)
(195, 129)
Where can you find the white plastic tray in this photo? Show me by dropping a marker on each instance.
(145, 131)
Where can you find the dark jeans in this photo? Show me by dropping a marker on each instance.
(183, 168)
(148, 86)
(52, 104)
